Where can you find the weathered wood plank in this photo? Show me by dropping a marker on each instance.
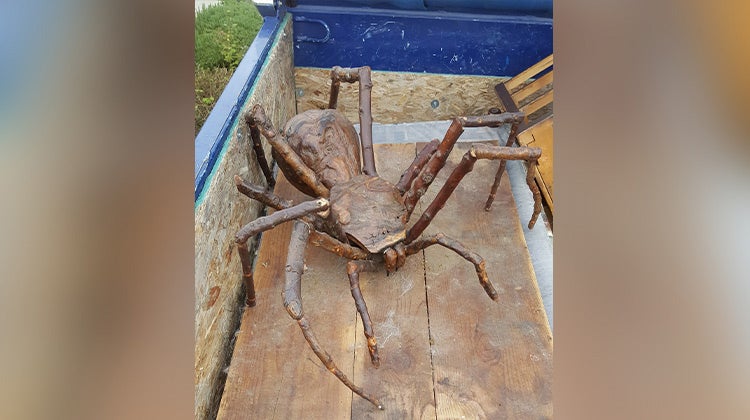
(490, 359)
(274, 374)
(530, 72)
(401, 97)
(532, 87)
(399, 313)
(538, 103)
(218, 285)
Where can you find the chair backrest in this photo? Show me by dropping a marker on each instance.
(531, 93)
(528, 93)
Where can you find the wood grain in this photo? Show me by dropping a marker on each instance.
(491, 359)
(530, 72)
(480, 358)
(532, 87)
(401, 97)
(274, 374)
(538, 103)
(399, 313)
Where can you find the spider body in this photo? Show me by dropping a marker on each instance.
(370, 212)
(367, 208)
(357, 214)
(327, 143)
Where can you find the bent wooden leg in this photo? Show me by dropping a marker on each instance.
(458, 248)
(437, 161)
(260, 156)
(416, 166)
(363, 76)
(337, 247)
(353, 268)
(534, 190)
(256, 119)
(477, 151)
(263, 224)
(293, 303)
(501, 168)
(247, 273)
(259, 193)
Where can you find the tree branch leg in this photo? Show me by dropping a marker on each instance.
(363, 76)
(353, 268)
(260, 156)
(458, 248)
(293, 303)
(416, 166)
(257, 118)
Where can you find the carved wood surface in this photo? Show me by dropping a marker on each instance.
(491, 360)
(438, 332)
(369, 210)
(327, 143)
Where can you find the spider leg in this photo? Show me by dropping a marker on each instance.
(293, 303)
(353, 268)
(332, 244)
(318, 238)
(246, 260)
(512, 138)
(257, 120)
(458, 248)
(272, 200)
(260, 156)
(500, 168)
(263, 224)
(416, 166)
(259, 193)
(437, 161)
(477, 151)
(363, 76)
(530, 155)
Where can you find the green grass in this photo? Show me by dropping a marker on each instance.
(209, 83)
(223, 32)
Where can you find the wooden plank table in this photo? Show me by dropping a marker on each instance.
(447, 350)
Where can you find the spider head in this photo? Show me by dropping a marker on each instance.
(369, 210)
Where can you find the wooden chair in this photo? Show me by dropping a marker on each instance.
(532, 95)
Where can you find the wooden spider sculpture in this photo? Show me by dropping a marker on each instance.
(359, 215)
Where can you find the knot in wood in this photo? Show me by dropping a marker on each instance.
(294, 308)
